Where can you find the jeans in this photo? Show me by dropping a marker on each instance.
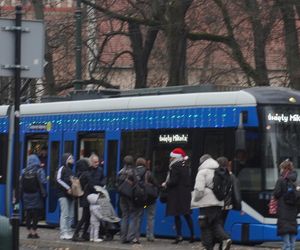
(128, 222)
(66, 215)
(289, 242)
(150, 220)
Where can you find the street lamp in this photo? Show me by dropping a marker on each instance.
(78, 48)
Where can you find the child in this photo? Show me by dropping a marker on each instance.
(101, 209)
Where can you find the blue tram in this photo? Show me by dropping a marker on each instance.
(255, 128)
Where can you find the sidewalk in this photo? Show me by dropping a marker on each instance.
(49, 239)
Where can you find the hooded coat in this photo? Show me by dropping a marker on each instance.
(286, 214)
(178, 189)
(203, 195)
(32, 200)
(101, 208)
(63, 178)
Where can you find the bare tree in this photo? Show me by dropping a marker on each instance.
(287, 9)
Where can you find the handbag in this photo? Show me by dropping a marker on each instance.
(151, 191)
(76, 189)
(126, 188)
(273, 206)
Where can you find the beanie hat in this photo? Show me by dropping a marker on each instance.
(33, 160)
(179, 153)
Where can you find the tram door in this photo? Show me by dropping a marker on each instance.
(37, 144)
(112, 162)
(54, 152)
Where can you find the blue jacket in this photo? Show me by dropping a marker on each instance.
(32, 200)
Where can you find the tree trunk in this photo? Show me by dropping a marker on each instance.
(176, 34)
(48, 69)
(291, 42)
(141, 52)
(260, 36)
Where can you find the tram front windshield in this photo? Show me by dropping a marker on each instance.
(281, 140)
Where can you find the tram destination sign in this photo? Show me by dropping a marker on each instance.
(173, 138)
(283, 118)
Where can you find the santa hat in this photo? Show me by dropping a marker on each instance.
(179, 154)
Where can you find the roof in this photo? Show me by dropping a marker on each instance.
(230, 98)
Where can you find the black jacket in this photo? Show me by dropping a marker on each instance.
(287, 214)
(63, 178)
(96, 178)
(83, 173)
(179, 189)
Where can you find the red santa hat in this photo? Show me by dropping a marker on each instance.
(179, 154)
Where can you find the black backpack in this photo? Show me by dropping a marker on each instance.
(30, 182)
(139, 192)
(222, 183)
(290, 195)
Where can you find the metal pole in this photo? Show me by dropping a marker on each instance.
(78, 47)
(16, 161)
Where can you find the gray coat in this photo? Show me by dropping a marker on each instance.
(101, 208)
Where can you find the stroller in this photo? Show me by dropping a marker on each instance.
(109, 224)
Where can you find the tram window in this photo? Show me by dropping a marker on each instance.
(91, 143)
(3, 157)
(68, 147)
(37, 144)
(214, 144)
(246, 163)
(135, 143)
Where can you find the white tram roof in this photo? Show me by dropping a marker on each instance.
(230, 98)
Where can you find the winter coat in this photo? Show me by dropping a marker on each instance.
(203, 196)
(233, 199)
(32, 200)
(63, 178)
(101, 208)
(96, 178)
(83, 173)
(178, 189)
(286, 214)
(127, 172)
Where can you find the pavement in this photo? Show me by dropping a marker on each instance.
(49, 239)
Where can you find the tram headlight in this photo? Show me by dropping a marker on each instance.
(292, 100)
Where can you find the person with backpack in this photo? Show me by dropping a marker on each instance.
(285, 192)
(152, 192)
(204, 197)
(126, 180)
(233, 198)
(32, 193)
(64, 193)
(178, 185)
(146, 202)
